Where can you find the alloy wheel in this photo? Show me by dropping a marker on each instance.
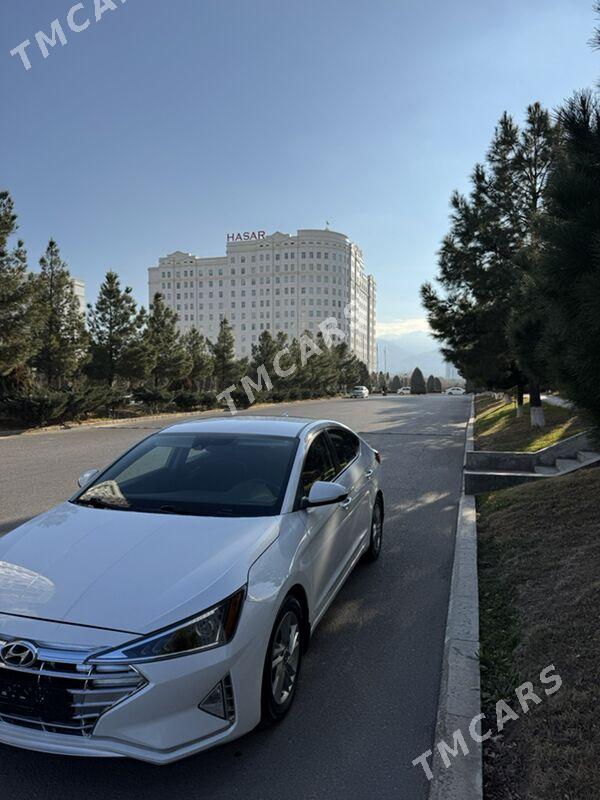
(285, 658)
(377, 529)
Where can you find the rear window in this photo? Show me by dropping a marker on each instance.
(213, 474)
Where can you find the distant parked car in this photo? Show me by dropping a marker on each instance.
(403, 390)
(359, 391)
(455, 390)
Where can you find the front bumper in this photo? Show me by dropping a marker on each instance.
(162, 722)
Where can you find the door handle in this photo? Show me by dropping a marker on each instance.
(346, 503)
(368, 473)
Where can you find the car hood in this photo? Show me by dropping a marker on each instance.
(126, 571)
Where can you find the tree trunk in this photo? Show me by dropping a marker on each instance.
(535, 405)
(520, 393)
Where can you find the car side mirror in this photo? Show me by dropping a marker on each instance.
(324, 493)
(87, 477)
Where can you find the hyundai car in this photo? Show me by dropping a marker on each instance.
(166, 607)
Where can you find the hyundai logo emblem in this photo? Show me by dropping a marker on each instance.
(18, 654)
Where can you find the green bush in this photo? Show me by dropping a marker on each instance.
(34, 406)
(156, 398)
(83, 401)
(279, 396)
(187, 401)
(240, 398)
(207, 400)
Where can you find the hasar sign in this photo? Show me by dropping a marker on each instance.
(247, 236)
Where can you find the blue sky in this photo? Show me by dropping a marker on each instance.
(169, 123)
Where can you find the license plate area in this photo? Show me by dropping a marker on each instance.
(32, 696)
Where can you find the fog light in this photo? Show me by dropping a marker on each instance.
(219, 701)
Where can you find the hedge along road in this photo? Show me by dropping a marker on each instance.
(366, 706)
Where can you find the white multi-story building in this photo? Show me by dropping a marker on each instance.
(276, 283)
(79, 291)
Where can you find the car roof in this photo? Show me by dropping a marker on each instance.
(261, 425)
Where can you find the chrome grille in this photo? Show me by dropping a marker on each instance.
(60, 694)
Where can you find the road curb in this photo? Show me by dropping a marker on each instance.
(460, 687)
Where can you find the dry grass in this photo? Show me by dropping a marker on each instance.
(539, 569)
(498, 428)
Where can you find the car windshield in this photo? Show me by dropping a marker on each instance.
(201, 474)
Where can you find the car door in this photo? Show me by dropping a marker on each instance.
(354, 471)
(325, 524)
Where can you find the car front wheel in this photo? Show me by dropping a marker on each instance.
(282, 663)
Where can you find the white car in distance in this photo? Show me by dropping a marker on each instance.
(359, 391)
(166, 607)
(455, 390)
(403, 390)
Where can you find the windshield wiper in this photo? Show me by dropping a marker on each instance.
(97, 502)
(167, 508)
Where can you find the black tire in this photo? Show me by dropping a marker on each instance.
(274, 708)
(376, 538)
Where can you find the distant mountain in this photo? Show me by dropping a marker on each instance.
(404, 352)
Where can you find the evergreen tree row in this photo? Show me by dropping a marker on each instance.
(384, 382)
(55, 367)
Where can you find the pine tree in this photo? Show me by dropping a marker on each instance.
(320, 374)
(57, 320)
(264, 353)
(137, 359)
(265, 350)
(569, 276)
(348, 367)
(167, 359)
(200, 359)
(417, 382)
(437, 385)
(226, 369)
(113, 326)
(485, 259)
(363, 379)
(431, 384)
(16, 343)
(396, 383)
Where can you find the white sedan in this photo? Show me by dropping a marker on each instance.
(455, 390)
(166, 607)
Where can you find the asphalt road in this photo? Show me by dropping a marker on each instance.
(367, 702)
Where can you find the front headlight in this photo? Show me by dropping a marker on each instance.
(212, 628)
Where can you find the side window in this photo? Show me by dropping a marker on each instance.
(318, 465)
(345, 444)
